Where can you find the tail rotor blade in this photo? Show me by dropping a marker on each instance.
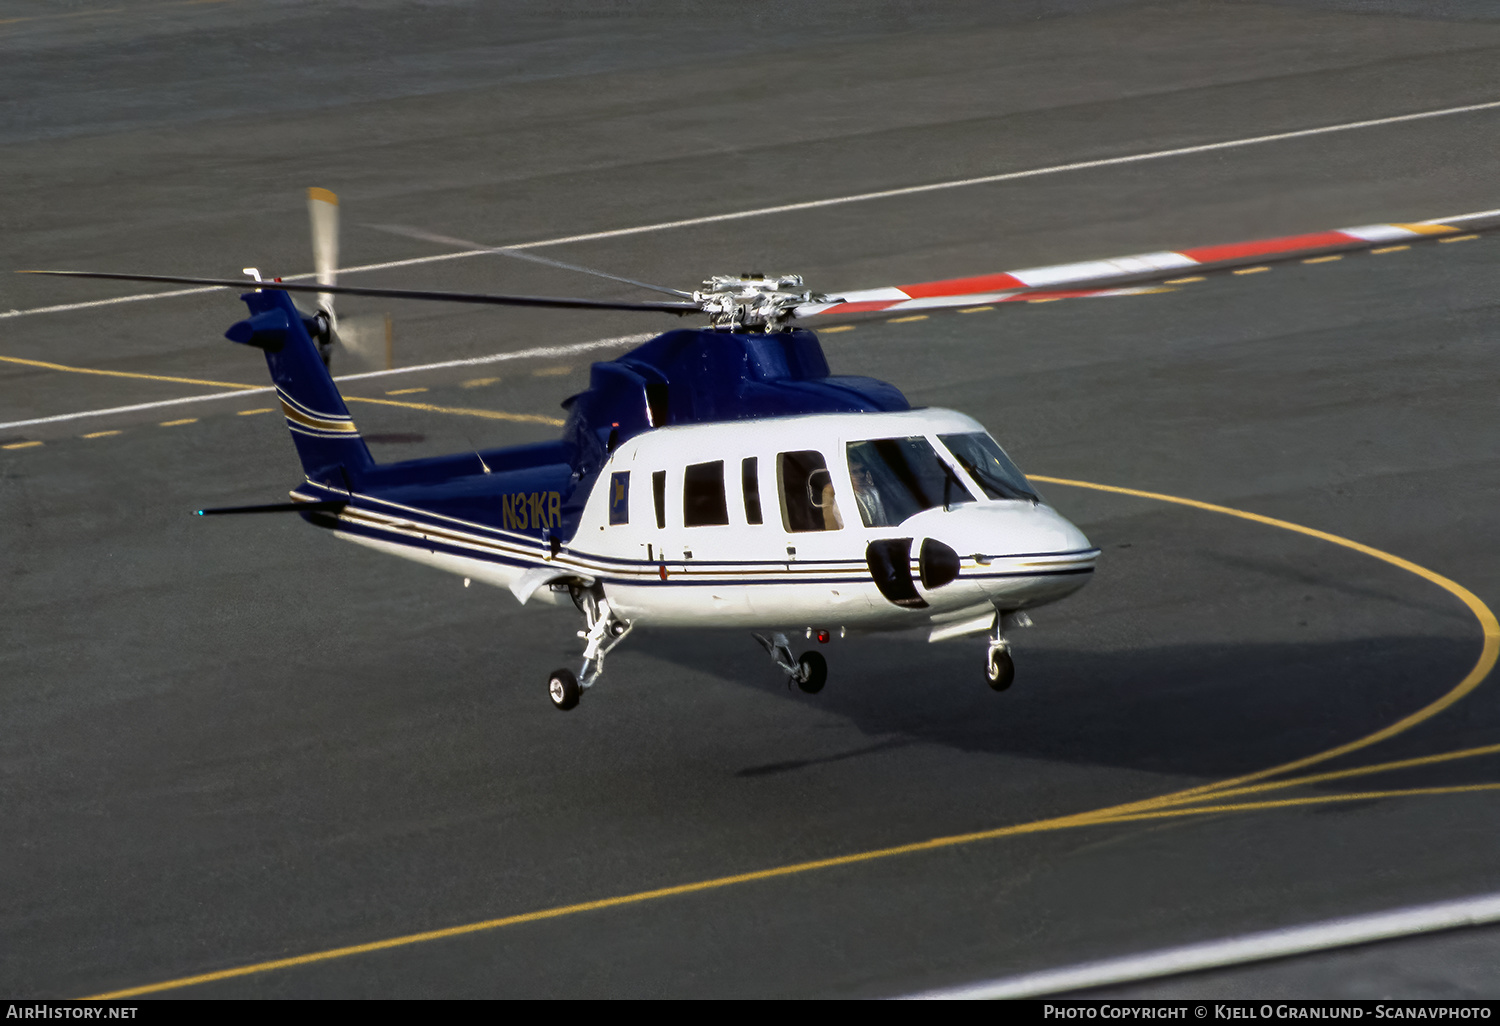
(366, 341)
(323, 211)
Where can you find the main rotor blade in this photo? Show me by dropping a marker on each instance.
(352, 290)
(448, 240)
(327, 506)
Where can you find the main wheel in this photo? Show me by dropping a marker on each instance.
(563, 688)
(1000, 669)
(814, 672)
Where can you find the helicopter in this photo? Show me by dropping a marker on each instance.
(722, 476)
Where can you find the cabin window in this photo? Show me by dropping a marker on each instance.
(619, 498)
(807, 498)
(987, 464)
(659, 497)
(703, 495)
(895, 478)
(750, 485)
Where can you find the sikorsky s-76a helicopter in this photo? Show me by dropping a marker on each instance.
(721, 476)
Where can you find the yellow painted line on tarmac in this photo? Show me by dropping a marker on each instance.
(907, 320)
(123, 374)
(461, 411)
(976, 309)
(100, 434)
(551, 372)
(1489, 651)
(479, 382)
(1251, 270)
(1459, 238)
(1323, 259)
(1185, 281)
(1287, 803)
(524, 418)
(1390, 249)
(251, 413)
(1151, 808)
(1358, 771)
(597, 905)
(178, 423)
(405, 391)
(1045, 299)
(835, 328)
(20, 445)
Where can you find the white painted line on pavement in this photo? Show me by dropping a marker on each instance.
(520, 354)
(910, 190)
(1253, 947)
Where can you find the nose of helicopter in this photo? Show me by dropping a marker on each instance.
(1017, 554)
(1002, 530)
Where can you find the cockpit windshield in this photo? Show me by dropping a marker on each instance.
(895, 478)
(987, 464)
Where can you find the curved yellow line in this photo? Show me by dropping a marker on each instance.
(1117, 813)
(1220, 793)
(1487, 622)
(1287, 803)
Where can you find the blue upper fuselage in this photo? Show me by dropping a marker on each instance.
(678, 378)
(681, 377)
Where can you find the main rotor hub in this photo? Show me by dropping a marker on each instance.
(755, 302)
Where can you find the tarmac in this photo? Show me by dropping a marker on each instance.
(232, 743)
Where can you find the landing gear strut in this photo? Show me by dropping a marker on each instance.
(604, 630)
(809, 672)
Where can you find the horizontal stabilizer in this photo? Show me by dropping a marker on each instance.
(328, 506)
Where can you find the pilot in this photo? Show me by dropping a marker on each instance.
(831, 519)
(867, 495)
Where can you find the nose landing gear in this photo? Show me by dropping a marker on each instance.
(999, 667)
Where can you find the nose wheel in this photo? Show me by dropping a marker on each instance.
(1000, 669)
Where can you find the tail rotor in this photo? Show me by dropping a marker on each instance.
(364, 340)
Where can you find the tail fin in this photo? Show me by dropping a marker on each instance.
(329, 444)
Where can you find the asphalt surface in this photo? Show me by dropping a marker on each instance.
(233, 741)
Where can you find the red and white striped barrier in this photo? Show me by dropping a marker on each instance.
(1094, 277)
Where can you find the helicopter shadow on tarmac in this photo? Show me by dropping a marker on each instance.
(1201, 710)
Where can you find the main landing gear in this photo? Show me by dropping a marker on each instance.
(604, 630)
(809, 671)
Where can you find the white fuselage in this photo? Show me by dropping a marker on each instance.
(673, 541)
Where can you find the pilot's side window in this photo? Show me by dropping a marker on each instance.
(807, 497)
(703, 495)
(659, 497)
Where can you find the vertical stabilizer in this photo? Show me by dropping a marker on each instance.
(329, 444)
